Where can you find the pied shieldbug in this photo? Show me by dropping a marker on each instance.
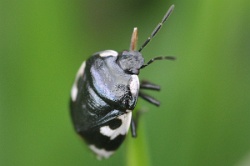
(105, 93)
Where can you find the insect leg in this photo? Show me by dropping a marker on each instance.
(149, 86)
(134, 122)
(133, 128)
(149, 99)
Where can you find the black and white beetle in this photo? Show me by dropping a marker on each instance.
(105, 92)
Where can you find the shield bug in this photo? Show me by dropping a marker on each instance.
(105, 92)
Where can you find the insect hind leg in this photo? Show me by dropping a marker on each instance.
(133, 127)
(145, 85)
(134, 122)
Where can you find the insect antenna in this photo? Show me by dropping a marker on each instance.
(157, 28)
(134, 39)
(158, 58)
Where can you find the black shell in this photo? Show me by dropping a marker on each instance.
(103, 95)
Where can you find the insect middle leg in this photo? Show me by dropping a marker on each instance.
(149, 86)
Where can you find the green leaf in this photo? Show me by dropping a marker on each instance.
(137, 148)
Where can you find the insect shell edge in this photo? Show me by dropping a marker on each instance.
(106, 53)
(74, 90)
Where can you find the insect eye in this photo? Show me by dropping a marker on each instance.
(130, 61)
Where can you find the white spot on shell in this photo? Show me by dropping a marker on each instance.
(122, 130)
(79, 74)
(101, 153)
(134, 85)
(107, 53)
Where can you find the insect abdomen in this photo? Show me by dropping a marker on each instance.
(105, 139)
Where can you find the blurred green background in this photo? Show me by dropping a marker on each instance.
(204, 118)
